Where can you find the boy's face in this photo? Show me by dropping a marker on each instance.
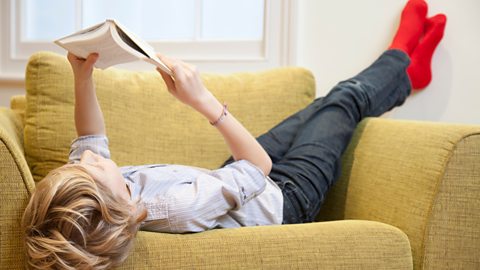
(106, 172)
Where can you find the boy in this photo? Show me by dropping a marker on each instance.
(85, 214)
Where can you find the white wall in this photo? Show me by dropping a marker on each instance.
(336, 39)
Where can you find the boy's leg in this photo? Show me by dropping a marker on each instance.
(279, 139)
(311, 164)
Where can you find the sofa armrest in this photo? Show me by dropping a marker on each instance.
(327, 245)
(419, 177)
(16, 184)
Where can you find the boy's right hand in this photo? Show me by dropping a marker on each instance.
(185, 84)
(82, 68)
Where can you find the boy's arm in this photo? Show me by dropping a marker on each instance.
(88, 115)
(187, 87)
(240, 141)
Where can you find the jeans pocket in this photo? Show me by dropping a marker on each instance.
(297, 203)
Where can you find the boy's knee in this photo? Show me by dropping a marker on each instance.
(350, 95)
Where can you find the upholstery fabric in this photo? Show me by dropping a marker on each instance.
(16, 184)
(343, 244)
(145, 124)
(453, 233)
(393, 171)
(18, 104)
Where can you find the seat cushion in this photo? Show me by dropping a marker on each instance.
(145, 124)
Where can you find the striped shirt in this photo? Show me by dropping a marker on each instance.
(181, 199)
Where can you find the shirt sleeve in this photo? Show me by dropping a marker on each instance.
(98, 144)
(197, 206)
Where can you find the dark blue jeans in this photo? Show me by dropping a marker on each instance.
(306, 148)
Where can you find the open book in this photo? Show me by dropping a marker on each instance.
(114, 44)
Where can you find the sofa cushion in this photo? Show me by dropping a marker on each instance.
(145, 124)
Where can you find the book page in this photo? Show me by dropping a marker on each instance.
(141, 46)
(91, 32)
(110, 53)
(101, 42)
(129, 42)
(114, 44)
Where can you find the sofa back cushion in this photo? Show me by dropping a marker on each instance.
(145, 124)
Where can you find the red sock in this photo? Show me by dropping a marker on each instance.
(411, 26)
(420, 70)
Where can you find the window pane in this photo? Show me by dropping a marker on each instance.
(149, 19)
(232, 19)
(48, 19)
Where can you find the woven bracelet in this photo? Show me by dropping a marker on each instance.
(222, 116)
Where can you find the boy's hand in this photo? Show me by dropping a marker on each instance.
(186, 86)
(82, 68)
(185, 83)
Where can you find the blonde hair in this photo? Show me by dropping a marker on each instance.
(73, 222)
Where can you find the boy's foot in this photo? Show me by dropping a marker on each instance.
(411, 26)
(420, 71)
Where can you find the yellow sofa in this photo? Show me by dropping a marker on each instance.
(408, 196)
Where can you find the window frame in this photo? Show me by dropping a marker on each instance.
(274, 50)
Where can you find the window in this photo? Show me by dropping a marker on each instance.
(240, 20)
(216, 35)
